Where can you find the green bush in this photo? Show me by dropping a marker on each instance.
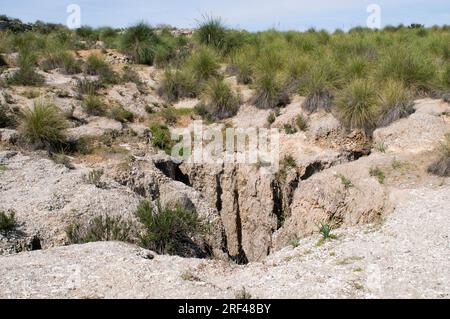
(93, 105)
(161, 137)
(203, 63)
(219, 99)
(269, 91)
(212, 32)
(357, 105)
(26, 75)
(96, 65)
(139, 42)
(122, 115)
(177, 84)
(168, 231)
(102, 228)
(43, 124)
(63, 60)
(88, 87)
(395, 102)
(408, 65)
(7, 222)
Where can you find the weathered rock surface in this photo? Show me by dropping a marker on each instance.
(407, 257)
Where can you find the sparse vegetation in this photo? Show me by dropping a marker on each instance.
(301, 122)
(243, 294)
(395, 102)
(120, 114)
(325, 230)
(161, 137)
(43, 124)
(219, 100)
(88, 87)
(6, 118)
(345, 181)
(101, 228)
(168, 231)
(441, 166)
(27, 74)
(378, 173)
(93, 105)
(94, 178)
(7, 222)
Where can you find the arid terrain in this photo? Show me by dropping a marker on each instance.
(94, 206)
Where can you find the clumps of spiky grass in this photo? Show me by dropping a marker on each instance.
(441, 166)
(93, 105)
(395, 102)
(301, 122)
(270, 91)
(203, 64)
(43, 124)
(177, 84)
(212, 32)
(219, 100)
(356, 105)
(120, 114)
(317, 86)
(88, 87)
(409, 65)
(161, 137)
(170, 231)
(26, 75)
(242, 65)
(102, 228)
(139, 42)
(96, 65)
(62, 60)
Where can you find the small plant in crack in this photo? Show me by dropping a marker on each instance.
(189, 276)
(378, 173)
(295, 242)
(345, 181)
(381, 147)
(94, 178)
(325, 230)
(243, 294)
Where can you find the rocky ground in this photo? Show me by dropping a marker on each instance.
(392, 233)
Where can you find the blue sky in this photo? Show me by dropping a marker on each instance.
(252, 15)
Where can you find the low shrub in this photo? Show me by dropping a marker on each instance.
(63, 60)
(93, 105)
(43, 124)
(219, 99)
(102, 228)
(88, 87)
(301, 122)
(26, 75)
(177, 84)
(395, 102)
(203, 64)
(169, 231)
(96, 65)
(356, 105)
(120, 114)
(269, 92)
(161, 137)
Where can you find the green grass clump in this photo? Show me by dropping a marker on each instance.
(62, 60)
(119, 113)
(269, 91)
(395, 102)
(93, 105)
(7, 222)
(325, 230)
(43, 124)
(140, 42)
(409, 65)
(357, 105)
(301, 122)
(102, 228)
(345, 181)
(96, 65)
(211, 32)
(441, 166)
(26, 75)
(88, 87)
(219, 99)
(203, 64)
(168, 231)
(177, 84)
(378, 173)
(161, 137)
